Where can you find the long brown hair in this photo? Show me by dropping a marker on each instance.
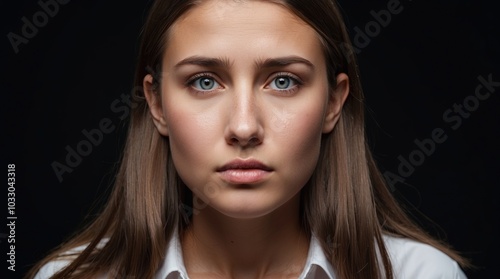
(346, 203)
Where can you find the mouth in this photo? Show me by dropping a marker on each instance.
(248, 171)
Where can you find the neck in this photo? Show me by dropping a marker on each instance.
(268, 246)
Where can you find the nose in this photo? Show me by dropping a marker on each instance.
(244, 126)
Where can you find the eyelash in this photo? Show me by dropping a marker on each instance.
(194, 78)
(298, 82)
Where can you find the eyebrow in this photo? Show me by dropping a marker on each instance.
(204, 61)
(283, 61)
(226, 63)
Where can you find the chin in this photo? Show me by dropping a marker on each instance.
(245, 214)
(246, 207)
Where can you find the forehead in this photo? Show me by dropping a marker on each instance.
(241, 29)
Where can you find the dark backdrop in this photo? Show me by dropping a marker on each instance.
(417, 68)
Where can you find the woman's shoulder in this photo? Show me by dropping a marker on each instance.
(63, 260)
(413, 259)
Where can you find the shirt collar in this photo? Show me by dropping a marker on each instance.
(173, 265)
(317, 265)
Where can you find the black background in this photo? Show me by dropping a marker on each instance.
(429, 57)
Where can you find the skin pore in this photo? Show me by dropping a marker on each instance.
(244, 80)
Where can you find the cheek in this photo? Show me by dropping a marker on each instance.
(305, 135)
(298, 138)
(191, 134)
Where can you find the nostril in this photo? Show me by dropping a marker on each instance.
(234, 140)
(253, 141)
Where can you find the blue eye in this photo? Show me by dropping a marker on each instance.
(205, 83)
(283, 83)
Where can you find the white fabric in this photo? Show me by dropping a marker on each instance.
(410, 260)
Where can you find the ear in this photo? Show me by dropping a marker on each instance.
(154, 102)
(336, 102)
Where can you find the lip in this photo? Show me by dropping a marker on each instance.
(249, 171)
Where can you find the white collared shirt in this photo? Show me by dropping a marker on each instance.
(410, 260)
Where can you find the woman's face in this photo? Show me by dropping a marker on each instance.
(244, 103)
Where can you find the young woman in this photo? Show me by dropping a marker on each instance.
(246, 158)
